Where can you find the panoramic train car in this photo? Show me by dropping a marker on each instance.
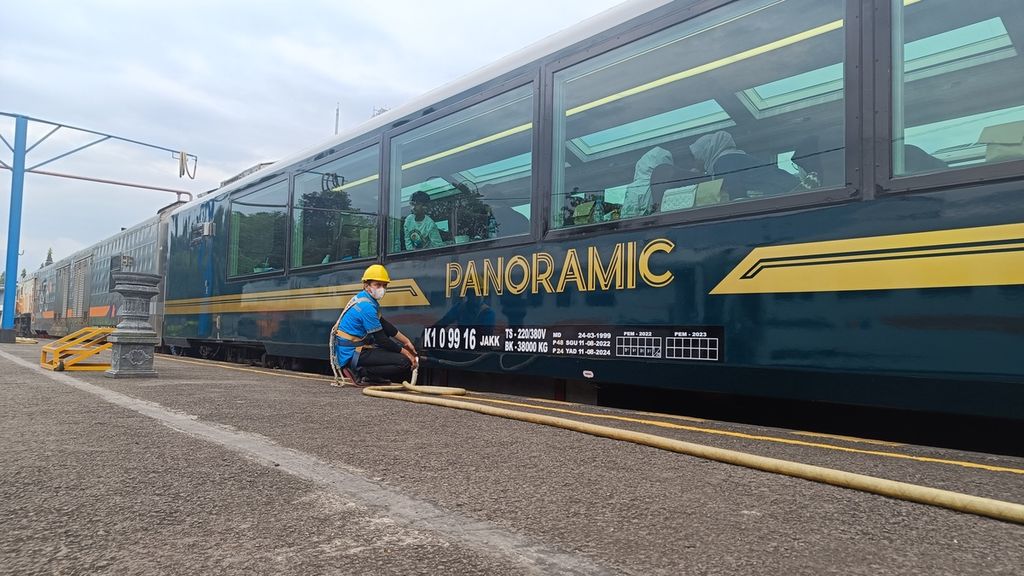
(75, 292)
(801, 199)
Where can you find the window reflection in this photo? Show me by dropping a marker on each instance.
(957, 86)
(745, 102)
(334, 211)
(258, 228)
(464, 177)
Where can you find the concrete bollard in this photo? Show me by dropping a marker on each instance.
(134, 339)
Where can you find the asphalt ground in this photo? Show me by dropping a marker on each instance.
(215, 468)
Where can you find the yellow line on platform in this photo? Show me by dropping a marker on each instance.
(656, 423)
(239, 368)
(847, 438)
(673, 416)
(998, 509)
(745, 436)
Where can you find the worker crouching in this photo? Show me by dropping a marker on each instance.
(365, 343)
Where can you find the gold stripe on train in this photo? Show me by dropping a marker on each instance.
(982, 256)
(340, 289)
(405, 292)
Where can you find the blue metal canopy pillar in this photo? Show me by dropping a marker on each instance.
(18, 170)
(14, 228)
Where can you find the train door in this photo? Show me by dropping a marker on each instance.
(78, 297)
(40, 300)
(202, 243)
(62, 289)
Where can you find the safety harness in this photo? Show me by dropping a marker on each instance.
(347, 340)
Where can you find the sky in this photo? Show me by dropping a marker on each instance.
(235, 83)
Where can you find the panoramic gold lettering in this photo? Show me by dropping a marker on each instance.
(631, 265)
(452, 281)
(492, 275)
(543, 276)
(517, 262)
(471, 279)
(625, 262)
(571, 272)
(652, 279)
(600, 277)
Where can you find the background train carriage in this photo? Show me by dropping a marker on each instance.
(75, 291)
(24, 303)
(889, 274)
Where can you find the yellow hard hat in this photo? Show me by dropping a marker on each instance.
(376, 272)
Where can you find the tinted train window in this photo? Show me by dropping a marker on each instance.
(464, 177)
(742, 103)
(334, 210)
(958, 89)
(258, 228)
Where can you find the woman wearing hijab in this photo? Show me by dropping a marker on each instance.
(743, 175)
(638, 200)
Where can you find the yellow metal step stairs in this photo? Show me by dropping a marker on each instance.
(71, 351)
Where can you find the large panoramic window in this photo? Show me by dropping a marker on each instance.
(334, 210)
(258, 228)
(464, 177)
(743, 103)
(958, 86)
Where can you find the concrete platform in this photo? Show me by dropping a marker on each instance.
(224, 469)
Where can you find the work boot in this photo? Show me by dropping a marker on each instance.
(347, 378)
(367, 378)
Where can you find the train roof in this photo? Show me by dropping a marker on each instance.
(90, 249)
(615, 16)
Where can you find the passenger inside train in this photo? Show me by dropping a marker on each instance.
(419, 228)
(743, 175)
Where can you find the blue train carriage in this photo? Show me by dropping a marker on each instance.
(75, 292)
(806, 199)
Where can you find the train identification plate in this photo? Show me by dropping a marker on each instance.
(699, 343)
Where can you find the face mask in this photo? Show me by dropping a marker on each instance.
(378, 292)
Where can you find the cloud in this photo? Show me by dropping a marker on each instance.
(234, 82)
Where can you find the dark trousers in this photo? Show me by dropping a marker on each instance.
(385, 365)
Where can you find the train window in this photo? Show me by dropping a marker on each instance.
(334, 210)
(464, 177)
(258, 228)
(741, 103)
(958, 91)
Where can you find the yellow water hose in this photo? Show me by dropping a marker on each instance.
(998, 509)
